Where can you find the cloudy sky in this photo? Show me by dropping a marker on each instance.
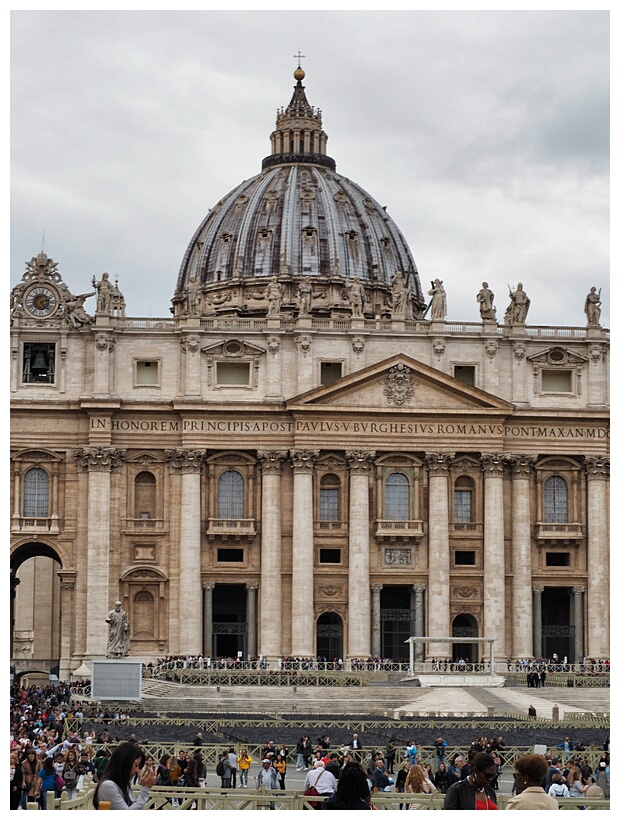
(485, 133)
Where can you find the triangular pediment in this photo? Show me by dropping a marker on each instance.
(400, 384)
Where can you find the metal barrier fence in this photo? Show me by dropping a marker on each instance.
(182, 799)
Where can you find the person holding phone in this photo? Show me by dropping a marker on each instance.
(115, 783)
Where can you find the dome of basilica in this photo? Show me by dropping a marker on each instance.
(297, 218)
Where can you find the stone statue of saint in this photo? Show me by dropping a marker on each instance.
(304, 297)
(485, 299)
(105, 290)
(439, 306)
(274, 297)
(592, 307)
(118, 635)
(357, 297)
(192, 305)
(399, 295)
(518, 307)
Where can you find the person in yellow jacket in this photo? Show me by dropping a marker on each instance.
(243, 764)
(280, 767)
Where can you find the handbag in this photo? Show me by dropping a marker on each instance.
(59, 783)
(312, 792)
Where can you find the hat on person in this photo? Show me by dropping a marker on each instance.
(266, 760)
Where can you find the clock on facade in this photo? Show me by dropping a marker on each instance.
(41, 301)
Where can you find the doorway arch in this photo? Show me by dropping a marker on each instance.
(329, 633)
(465, 625)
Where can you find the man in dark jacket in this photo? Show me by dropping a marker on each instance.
(380, 779)
(474, 791)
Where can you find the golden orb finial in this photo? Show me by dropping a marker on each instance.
(299, 73)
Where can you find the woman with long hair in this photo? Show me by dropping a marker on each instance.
(71, 773)
(115, 783)
(417, 781)
(352, 791)
(280, 767)
(16, 782)
(47, 774)
(441, 778)
(31, 780)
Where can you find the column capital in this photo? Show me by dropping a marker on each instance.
(521, 465)
(186, 461)
(99, 459)
(578, 590)
(419, 587)
(209, 585)
(67, 579)
(438, 463)
(493, 463)
(538, 590)
(597, 467)
(251, 587)
(303, 460)
(376, 587)
(271, 460)
(360, 461)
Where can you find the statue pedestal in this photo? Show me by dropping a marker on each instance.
(489, 326)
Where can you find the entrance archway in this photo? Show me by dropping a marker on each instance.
(229, 620)
(558, 633)
(329, 634)
(35, 605)
(465, 626)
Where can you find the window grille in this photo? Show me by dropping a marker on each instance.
(230, 495)
(36, 493)
(556, 500)
(397, 497)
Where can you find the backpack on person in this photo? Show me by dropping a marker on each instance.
(220, 769)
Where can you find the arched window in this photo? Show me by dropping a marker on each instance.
(329, 507)
(36, 493)
(396, 497)
(463, 499)
(144, 495)
(230, 495)
(555, 500)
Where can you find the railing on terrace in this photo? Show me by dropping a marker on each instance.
(344, 324)
(179, 798)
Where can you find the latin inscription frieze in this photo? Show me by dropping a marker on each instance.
(405, 429)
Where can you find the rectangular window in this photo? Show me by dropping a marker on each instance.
(232, 374)
(462, 506)
(329, 504)
(557, 381)
(465, 373)
(38, 366)
(330, 372)
(464, 558)
(329, 557)
(558, 559)
(230, 556)
(147, 373)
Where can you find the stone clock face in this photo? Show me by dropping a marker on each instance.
(41, 301)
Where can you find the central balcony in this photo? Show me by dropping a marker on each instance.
(399, 530)
(231, 528)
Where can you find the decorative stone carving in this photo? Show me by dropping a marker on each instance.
(522, 465)
(271, 460)
(190, 343)
(400, 557)
(493, 463)
(105, 341)
(466, 592)
(304, 297)
(400, 293)
(439, 345)
(274, 297)
(105, 290)
(597, 467)
(186, 461)
(358, 345)
(193, 296)
(398, 385)
(273, 344)
(518, 350)
(99, 459)
(303, 460)
(439, 462)
(357, 297)
(330, 591)
(360, 461)
(491, 346)
(304, 343)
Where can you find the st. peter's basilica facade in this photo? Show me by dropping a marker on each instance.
(308, 458)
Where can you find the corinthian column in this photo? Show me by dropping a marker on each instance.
(418, 623)
(597, 470)
(537, 605)
(99, 462)
(271, 552)
(189, 464)
(67, 621)
(303, 554)
(360, 463)
(376, 620)
(522, 615)
(494, 562)
(439, 624)
(578, 610)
